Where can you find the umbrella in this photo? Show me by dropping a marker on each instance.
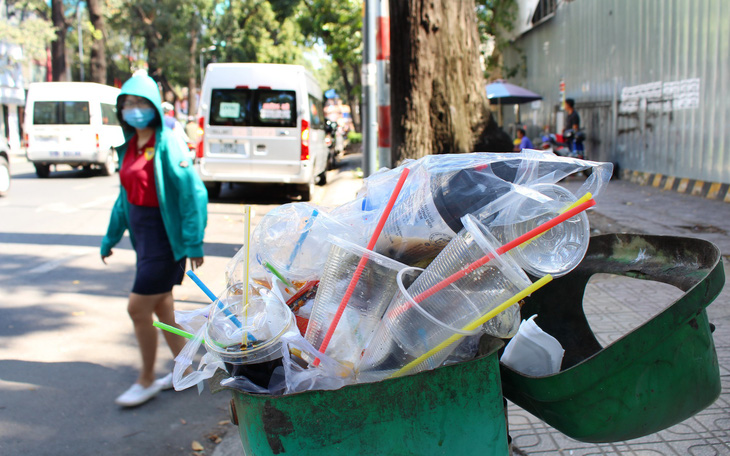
(501, 92)
(331, 94)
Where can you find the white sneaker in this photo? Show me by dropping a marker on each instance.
(137, 394)
(165, 383)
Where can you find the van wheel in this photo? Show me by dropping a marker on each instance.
(322, 178)
(110, 165)
(214, 189)
(307, 190)
(4, 176)
(42, 171)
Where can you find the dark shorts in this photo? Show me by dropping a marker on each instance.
(157, 270)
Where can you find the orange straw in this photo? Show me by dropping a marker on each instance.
(500, 251)
(361, 264)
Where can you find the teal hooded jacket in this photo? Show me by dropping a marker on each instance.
(181, 194)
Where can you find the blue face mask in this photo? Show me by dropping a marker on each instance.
(138, 117)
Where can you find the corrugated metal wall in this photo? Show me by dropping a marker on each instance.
(651, 80)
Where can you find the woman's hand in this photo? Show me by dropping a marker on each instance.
(104, 257)
(196, 263)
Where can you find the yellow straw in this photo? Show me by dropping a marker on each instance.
(582, 200)
(247, 236)
(474, 324)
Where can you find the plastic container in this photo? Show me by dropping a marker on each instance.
(557, 251)
(370, 298)
(425, 315)
(261, 324)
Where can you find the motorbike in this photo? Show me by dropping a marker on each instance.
(571, 146)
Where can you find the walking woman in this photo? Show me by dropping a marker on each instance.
(163, 204)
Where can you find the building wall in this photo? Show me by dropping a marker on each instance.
(651, 80)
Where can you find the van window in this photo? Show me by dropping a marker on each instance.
(277, 108)
(315, 113)
(229, 107)
(61, 113)
(247, 107)
(109, 114)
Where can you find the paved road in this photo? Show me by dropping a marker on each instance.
(66, 343)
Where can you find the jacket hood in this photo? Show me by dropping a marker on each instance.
(142, 86)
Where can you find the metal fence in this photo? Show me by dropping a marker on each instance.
(651, 80)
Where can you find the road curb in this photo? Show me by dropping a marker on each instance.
(709, 190)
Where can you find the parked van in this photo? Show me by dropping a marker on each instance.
(261, 123)
(72, 123)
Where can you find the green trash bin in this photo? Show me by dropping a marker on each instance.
(453, 410)
(659, 374)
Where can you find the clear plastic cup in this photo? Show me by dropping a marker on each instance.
(292, 237)
(557, 251)
(427, 314)
(409, 330)
(370, 298)
(261, 323)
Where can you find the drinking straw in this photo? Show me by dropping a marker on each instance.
(173, 329)
(278, 274)
(303, 236)
(247, 240)
(213, 298)
(474, 324)
(361, 265)
(177, 331)
(580, 200)
(504, 249)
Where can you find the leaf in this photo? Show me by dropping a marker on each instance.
(196, 446)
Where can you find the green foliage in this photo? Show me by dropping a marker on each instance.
(32, 35)
(495, 20)
(337, 24)
(354, 138)
(254, 32)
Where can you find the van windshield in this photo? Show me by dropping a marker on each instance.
(61, 113)
(253, 108)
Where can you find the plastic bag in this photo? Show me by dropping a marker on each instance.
(441, 189)
(297, 358)
(533, 351)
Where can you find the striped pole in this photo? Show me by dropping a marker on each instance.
(383, 74)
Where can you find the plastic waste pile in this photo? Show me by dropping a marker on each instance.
(405, 277)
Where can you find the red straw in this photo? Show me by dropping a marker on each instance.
(361, 264)
(501, 250)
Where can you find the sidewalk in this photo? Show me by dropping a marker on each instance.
(623, 207)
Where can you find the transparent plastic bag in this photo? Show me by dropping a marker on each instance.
(441, 189)
(298, 357)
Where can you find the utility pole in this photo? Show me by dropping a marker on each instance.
(370, 120)
(383, 68)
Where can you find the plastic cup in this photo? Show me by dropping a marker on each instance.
(417, 320)
(266, 320)
(408, 330)
(557, 251)
(370, 298)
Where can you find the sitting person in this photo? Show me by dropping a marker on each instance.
(524, 141)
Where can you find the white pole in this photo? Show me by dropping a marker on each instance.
(383, 69)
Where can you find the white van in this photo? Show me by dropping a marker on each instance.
(261, 123)
(72, 123)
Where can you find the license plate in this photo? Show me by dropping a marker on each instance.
(229, 148)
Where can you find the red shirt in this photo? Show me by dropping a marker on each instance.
(138, 173)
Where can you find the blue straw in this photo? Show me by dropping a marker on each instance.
(214, 298)
(304, 235)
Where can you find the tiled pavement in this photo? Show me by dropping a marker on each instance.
(614, 307)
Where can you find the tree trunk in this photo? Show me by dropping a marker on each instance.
(193, 71)
(438, 97)
(58, 47)
(349, 93)
(98, 42)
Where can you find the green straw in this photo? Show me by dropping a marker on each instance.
(278, 274)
